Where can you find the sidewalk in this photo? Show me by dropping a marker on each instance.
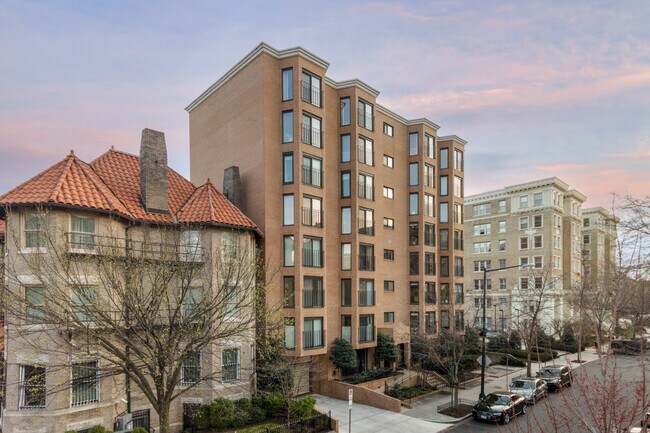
(497, 378)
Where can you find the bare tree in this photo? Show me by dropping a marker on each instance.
(146, 302)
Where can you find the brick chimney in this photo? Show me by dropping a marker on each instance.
(232, 186)
(153, 172)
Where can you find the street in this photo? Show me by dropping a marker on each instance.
(609, 403)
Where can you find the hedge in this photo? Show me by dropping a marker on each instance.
(522, 354)
(367, 376)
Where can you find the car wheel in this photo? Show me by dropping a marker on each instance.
(506, 417)
(523, 408)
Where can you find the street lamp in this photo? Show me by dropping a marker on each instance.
(481, 396)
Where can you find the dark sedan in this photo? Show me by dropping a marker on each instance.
(499, 407)
(556, 377)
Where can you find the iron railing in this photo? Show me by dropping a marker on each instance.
(314, 339)
(366, 262)
(312, 298)
(311, 94)
(366, 191)
(317, 423)
(366, 333)
(312, 217)
(366, 156)
(311, 135)
(366, 227)
(365, 120)
(366, 298)
(313, 257)
(312, 176)
(458, 401)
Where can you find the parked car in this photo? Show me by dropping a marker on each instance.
(556, 378)
(626, 347)
(529, 388)
(498, 406)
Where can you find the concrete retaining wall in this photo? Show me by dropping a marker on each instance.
(362, 395)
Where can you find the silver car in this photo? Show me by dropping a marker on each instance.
(529, 388)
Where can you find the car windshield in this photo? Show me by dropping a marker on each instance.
(550, 372)
(521, 384)
(496, 399)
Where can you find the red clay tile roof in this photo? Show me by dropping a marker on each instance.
(207, 205)
(2, 229)
(112, 183)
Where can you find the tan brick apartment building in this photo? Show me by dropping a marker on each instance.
(123, 198)
(537, 223)
(598, 242)
(360, 208)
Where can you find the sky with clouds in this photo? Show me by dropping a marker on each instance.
(538, 88)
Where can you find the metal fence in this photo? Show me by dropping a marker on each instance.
(459, 401)
(313, 424)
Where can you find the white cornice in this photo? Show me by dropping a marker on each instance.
(506, 191)
(261, 48)
(355, 82)
(405, 121)
(453, 138)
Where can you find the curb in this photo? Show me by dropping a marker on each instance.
(455, 421)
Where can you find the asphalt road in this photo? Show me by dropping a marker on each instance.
(600, 403)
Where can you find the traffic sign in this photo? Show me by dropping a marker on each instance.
(350, 397)
(488, 361)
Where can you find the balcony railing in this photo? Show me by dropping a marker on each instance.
(314, 339)
(366, 333)
(311, 94)
(366, 298)
(430, 298)
(311, 135)
(312, 257)
(366, 227)
(366, 191)
(365, 120)
(312, 217)
(312, 176)
(366, 156)
(312, 298)
(366, 262)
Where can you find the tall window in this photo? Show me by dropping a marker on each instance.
(429, 175)
(430, 322)
(312, 211)
(366, 186)
(346, 257)
(287, 209)
(312, 171)
(460, 320)
(85, 383)
(314, 335)
(502, 206)
(444, 185)
(414, 263)
(459, 269)
(191, 371)
(444, 212)
(366, 222)
(444, 158)
(289, 250)
(35, 230)
(230, 364)
(458, 160)
(190, 245)
(366, 293)
(366, 151)
(346, 220)
(35, 305)
(389, 317)
(287, 126)
(83, 233)
(345, 111)
(366, 118)
(311, 130)
(429, 264)
(444, 293)
(311, 89)
(458, 186)
(287, 84)
(345, 148)
(414, 139)
(413, 173)
(231, 301)
(537, 199)
(429, 234)
(444, 239)
(83, 303)
(345, 184)
(366, 328)
(444, 267)
(346, 293)
(413, 203)
(430, 293)
(312, 252)
(32, 387)
(430, 144)
(191, 301)
(414, 233)
(428, 205)
(289, 292)
(366, 257)
(313, 292)
(290, 333)
(414, 322)
(458, 240)
(523, 201)
(287, 168)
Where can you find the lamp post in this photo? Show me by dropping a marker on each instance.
(481, 396)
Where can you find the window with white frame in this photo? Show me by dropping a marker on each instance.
(34, 305)
(481, 209)
(537, 241)
(35, 230)
(191, 370)
(502, 226)
(32, 387)
(502, 284)
(502, 206)
(482, 229)
(523, 223)
(230, 364)
(191, 301)
(190, 245)
(231, 301)
(538, 221)
(523, 243)
(482, 247)
(523, 283)
(83, 303)
(82, 233)
(85, 383)
(502, 244)
(523, 201)
(537, 199)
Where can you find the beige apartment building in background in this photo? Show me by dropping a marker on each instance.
(360, 208)
(598, 242)
(537, 223)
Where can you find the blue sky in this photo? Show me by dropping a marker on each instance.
(539, 89)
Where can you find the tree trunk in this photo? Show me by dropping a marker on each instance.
(163, 415)
(529, 361)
